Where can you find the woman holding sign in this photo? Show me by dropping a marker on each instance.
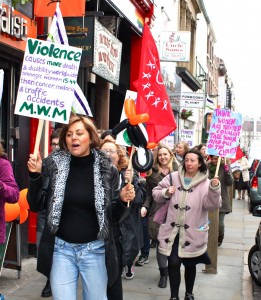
(79, 187)
(183, 237)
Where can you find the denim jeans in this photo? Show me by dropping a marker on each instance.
(70, 261)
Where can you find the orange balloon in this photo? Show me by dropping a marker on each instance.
(151, 145)
(22, 201)
(23, 215)
(12, 211)
(129, 108)
(137, 119)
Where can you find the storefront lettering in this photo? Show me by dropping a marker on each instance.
(12, 24)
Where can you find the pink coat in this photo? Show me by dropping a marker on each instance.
(187, 213)
(9, 192)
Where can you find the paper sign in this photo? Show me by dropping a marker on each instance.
(187, 135)
(224, 133)
(122, 137)
(49, 74)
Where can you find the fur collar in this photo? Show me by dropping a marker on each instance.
(59, 163)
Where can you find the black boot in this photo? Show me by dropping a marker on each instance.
(163, 278)
(189, 296)
(175, 298)
(47, 291)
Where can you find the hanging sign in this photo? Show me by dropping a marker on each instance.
(107, 54)
(175, 46)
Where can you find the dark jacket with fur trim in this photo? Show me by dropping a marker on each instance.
(45, 191)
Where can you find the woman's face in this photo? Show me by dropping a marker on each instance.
(203, 151)
(180, 150)
(163, 157)
(111, 150)
(214, 160)
(78, 140)
(192, 164)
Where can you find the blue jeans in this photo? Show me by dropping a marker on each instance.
(70, 261)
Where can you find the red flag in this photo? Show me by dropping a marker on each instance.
(239, 154)
(46, 8)
(152, 96)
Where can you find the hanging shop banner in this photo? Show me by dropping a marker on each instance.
(107, 54)
(82, 31)
(191, 100)
(128, 10)
(224, 133)
(175, 46)
(187, 135)
(49, 74)
(46, 8)
(187, 100)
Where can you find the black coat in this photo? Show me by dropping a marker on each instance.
(40, 195)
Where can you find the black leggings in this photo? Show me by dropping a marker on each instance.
(174, 265)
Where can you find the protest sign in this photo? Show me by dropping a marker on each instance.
(224, 133)
(49, 74)
(187, 135)
(169, 140)
(122, 137)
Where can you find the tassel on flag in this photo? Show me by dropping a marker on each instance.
(152, 96)
(210, 106)
(57, 34)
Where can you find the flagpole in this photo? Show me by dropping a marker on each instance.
(130, 167)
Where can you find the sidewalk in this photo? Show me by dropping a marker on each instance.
(232, 281)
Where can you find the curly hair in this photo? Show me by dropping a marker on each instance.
(123, 159)
(2, 150)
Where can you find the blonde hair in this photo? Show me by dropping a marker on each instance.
(156, 162)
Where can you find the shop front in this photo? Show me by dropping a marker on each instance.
(15, 27)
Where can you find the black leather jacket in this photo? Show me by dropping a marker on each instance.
(40, 194)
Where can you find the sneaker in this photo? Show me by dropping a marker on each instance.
(141, 261)
(129, 272)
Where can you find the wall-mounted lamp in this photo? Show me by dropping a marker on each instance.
(202, 77)
(164, 11)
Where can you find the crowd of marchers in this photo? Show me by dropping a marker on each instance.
(98, 218)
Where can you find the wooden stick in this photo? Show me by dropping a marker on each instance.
(130, 167)
(218, 165)
(38, 136)
(46, 138)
